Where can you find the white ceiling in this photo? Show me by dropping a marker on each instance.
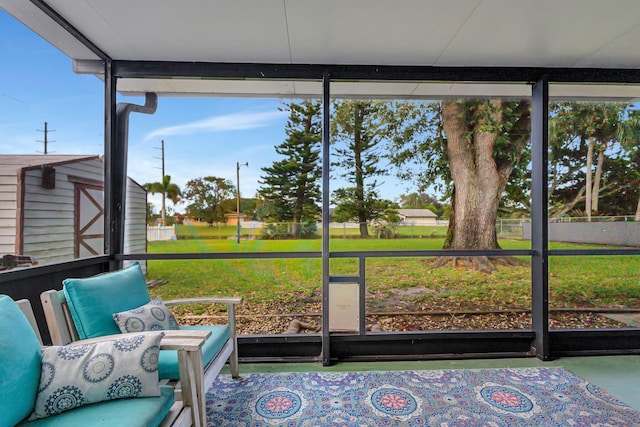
(511, 33)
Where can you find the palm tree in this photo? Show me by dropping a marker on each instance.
(168, 189)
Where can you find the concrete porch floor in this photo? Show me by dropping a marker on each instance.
(618, 375)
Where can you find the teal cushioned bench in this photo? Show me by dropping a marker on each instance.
(93, 300)
(20, 364)
(142, 411)
(20, 370)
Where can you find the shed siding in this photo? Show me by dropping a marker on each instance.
(135, 226)
(49, 233)
(8, 209)
(9, 242)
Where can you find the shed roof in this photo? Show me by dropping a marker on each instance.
(568, 34)
(417, 213)
(17, 162)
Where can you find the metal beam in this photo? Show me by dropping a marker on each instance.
(217, 70)
(326, 111)
(590, 342)
(540, 217)
(389, 346)
(592, 251)
(341, 254)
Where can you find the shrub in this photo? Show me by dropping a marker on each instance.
(287, 231)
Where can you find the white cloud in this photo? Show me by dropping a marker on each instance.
(227, 122)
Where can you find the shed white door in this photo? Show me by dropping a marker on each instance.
(89, 220)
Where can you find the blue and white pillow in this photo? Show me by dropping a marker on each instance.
(154, 316)
(77, 375)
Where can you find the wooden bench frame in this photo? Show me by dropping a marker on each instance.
(189, 411)
(63, 331)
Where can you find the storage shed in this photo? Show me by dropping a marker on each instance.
(417, 217)
(51, 208)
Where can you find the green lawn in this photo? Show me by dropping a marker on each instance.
(587, 281)
(229, 232)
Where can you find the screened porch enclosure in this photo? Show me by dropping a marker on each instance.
(316, 62)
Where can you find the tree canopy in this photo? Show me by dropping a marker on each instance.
(167, 189)
(209, 198)
(358, 132)
(592, 154)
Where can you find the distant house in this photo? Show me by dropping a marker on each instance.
(417, 217)
(232, 218)
(51, 208)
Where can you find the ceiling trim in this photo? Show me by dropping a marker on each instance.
(73, 31)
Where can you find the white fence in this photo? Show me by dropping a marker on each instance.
(161, 233)
(602, 232)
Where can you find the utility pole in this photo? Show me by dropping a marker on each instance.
(164, 195)
(238, 197)
(46, 140)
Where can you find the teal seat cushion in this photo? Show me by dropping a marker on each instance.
(168, 364)
(93, 300)
(141, 411)
(20, 364)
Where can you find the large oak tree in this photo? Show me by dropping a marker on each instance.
(209, 198)
(470, 147)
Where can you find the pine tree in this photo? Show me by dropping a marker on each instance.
(290, 187)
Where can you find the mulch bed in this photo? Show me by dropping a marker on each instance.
(270, 319)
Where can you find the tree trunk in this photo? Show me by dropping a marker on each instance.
(588, 183)
(364, 230)
(595, 195)
(568, 206)
(359, 174)
(479, 180)
(164, 210)
(637, 217)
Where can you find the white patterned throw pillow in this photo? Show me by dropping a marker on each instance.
(154, 316)
(77, 375)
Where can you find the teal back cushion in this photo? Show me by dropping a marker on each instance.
(93, 300)
(20, 364)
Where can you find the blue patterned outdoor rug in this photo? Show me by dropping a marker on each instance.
(486, 397)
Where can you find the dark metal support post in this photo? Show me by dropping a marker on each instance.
(110, 82)
(540, 218)
(326, 110)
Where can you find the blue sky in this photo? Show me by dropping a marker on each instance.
(203, 136)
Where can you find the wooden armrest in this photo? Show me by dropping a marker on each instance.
(182, 343)
(205, 300)
(187, 333)
(189, 340)
(174, 336)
